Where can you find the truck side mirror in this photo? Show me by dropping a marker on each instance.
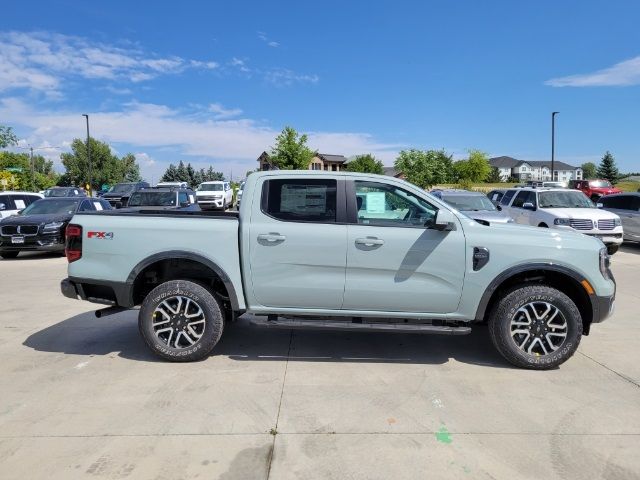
(3, 206)
(184, 203)
(528, 206)
(445, 220)
(600, 205)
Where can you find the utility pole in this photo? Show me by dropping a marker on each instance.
(553, 143)
(88, 153)
(33, 180)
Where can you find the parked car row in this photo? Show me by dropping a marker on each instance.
(614, 219)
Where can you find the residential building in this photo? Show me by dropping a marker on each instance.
(392, 172)
(320, 161)
(535, 169)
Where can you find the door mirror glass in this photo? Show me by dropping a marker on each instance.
(600, 205)
(528, 206)
(445, 220)
(3, 206)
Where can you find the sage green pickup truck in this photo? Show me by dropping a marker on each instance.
(343, 251)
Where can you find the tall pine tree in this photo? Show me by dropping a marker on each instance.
(607, 168)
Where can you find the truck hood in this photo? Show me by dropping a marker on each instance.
(488, 216)
(604, 191)
(586, 213)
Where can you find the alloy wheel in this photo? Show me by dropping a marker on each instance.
(178, 321)
(539, 328)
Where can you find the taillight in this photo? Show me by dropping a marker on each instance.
(73, 242)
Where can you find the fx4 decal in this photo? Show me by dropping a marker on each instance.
(100, 235)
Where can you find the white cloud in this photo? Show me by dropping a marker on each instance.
(42, 61)
(223, 113)
(229, 143)
(144, 159)
(621, 74)
(283, 77)
(263, 36)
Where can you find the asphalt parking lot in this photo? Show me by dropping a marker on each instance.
(82, 397)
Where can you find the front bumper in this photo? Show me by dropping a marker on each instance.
(41, 242)
(603, 308)
(211, 203)
(97, 291)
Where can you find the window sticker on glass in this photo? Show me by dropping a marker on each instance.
(19, 204)
(191, 199)
(98, 205)
(375, 202)
(303, 199)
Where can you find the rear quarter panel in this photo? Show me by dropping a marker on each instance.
(135, 238)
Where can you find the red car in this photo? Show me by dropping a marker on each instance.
(594, 189)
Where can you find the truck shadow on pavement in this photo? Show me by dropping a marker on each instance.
(118, 334)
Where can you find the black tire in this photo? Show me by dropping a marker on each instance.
(212, 321)
(611, 249)
(543, 225)
(508, 309)
(9, 255)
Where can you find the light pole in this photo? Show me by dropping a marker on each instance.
(33, 179)
(88, 153)
(553, 143)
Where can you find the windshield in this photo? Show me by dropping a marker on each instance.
(564, 200)
(122, 188)
(153, 199)
(210, 187)
(48, 207)
(469, 202)
(600, 184)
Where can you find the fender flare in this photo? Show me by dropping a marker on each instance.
(517, 269)
(180, 254)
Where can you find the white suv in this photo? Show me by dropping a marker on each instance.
(565, 209)
(12, 202)
(217, 195)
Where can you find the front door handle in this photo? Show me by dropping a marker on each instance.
(271, 237)
(369, 241)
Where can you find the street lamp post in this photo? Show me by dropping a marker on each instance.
(88, 153)
(33, 179)
(553, 143)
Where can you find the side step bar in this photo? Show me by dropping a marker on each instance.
(345, 325)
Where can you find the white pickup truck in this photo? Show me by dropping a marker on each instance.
(342, 251)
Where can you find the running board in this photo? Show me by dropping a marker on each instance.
(344, 325)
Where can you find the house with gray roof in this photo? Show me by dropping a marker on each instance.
(535, 169)
(320, 161)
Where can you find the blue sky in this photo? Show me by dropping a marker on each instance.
(212, 83)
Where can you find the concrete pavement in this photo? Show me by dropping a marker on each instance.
(82, 397)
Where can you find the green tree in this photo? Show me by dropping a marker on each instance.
(7, 137)
(475, 169)
(19, 164)
(105, 166)
(211, 175)
(291, 151)
(424, 168)
(170, 174)
(365, 164)
(608, 169)
(494, 176)
(589, 170)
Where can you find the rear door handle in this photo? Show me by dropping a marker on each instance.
(271, 237)
(369, 241)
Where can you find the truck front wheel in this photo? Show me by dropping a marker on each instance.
(536, 327)
(181, 321)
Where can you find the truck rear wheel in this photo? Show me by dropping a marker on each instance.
(535, 327)
(181, 321)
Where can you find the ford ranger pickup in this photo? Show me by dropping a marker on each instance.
(342, 251)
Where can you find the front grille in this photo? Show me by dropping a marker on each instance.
(580, 224)
(208, 198)
(20, 230)
(606, 224)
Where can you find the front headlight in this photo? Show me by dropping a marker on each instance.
(562, 221)
(49, 227)
(604, 263)
(617, 222)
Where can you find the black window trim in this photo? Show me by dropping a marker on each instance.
(352, 206)
(341, 217)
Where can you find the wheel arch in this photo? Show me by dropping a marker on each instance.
(559, 277)
(192, 263)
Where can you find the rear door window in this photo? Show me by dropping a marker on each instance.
(506, 198)
(300, 200)
(8, 202)
(524, 197)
